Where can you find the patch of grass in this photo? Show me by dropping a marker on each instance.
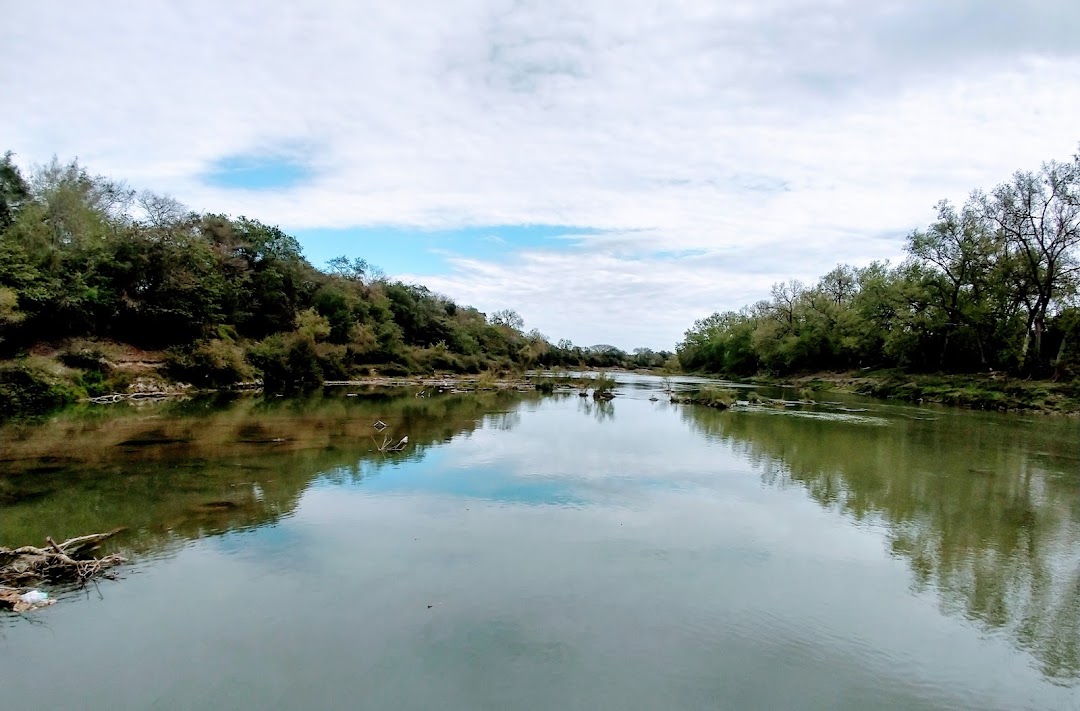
(977, 392)
(487, 380)
(544, 385)
(719, 398)
(603, 383)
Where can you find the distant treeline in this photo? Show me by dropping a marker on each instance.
(992, 284)
(229, 299)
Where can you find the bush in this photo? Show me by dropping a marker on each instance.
(334, 361)
(210, 364)
(545, 385)
(29, 390)
(603, 383)
(438, 357)
(720, 398)
(471, 364)
(488, 380)
(289, 363)
(93, 382)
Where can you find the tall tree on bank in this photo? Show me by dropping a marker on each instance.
(990, 285)
(1038, 216)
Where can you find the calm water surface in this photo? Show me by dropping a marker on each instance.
(528, 552)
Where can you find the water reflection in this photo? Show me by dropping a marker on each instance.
(190, 469)
(984, 510)
(982, 507)
(601, 410)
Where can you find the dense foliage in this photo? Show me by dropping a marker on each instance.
(83, 256)
(991, 285)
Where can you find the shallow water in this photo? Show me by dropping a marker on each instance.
(552, 552)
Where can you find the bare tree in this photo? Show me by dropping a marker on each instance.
(162, 211)
(786, 297)
(508, 318)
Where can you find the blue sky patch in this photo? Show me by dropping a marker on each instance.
(401, 250)
(256, 173)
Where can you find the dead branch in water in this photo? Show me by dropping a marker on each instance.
(388, 445)
(55, 563)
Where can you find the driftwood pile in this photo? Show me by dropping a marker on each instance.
(69, 562)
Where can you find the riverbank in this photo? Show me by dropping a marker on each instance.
(46, 381)
(993, 391)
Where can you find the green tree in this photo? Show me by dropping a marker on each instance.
(14, 190)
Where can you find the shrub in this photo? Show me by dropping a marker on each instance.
(334, 361)
(93, 382)
(26, 389)
(603, 383)
(544, 385)
(716, 397)
(488, 380)
(471, 364)
(289, 363)
(438, 357)
(212, 363)
(720, 398)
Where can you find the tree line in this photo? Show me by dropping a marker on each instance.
(993, 284)
(229, 299)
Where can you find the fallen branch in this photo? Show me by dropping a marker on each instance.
(120, 397)
(55, 563)
(388, 446)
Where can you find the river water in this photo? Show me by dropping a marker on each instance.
(550, 552)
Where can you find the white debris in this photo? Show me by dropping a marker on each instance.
(34, 597)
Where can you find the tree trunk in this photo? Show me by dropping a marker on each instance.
(982, 351)
(1060, 359)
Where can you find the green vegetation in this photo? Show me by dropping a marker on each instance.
(213, 300)
(603, 386)
(719, 398)
(28, 387)
(602, 383)
(975, 391)
(991, 287)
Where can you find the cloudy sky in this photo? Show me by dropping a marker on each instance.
(612, 169)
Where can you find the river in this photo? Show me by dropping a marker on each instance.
(550, 552)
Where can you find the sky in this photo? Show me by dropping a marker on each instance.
(610, 169)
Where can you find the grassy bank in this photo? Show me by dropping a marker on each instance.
(993, 391)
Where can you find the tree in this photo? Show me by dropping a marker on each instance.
(162, 211)
(508, 318)
(840, 284)
(14, 190)
(959, 250)
(353, 270)
(1038, 216)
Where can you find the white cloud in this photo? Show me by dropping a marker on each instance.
(757, 130)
